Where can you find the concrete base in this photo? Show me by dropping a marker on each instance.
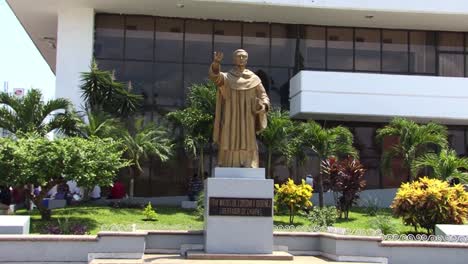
(239, 173)
(238, 234)
(277, 255)
(451, 230)
(14, 225)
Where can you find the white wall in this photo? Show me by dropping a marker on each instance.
(75, 37)
(381, 198)
(418, 6)
(378, 97)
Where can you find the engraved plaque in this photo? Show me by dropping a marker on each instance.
(240, 207)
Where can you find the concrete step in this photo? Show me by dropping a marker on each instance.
(276, 255)
(117, 261)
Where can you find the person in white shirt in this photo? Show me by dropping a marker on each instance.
(95, 193)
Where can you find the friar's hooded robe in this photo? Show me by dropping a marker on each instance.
(239, 97)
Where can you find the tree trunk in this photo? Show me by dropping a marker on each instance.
(133, 172)
(202, 164)
(320, 185)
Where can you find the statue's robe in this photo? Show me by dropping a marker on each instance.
(239, 97)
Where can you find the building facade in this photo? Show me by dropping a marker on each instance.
(355, 63)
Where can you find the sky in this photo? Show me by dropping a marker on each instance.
(21, 63)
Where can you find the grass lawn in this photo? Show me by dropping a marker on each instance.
(98, 218)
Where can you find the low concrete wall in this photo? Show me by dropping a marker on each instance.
(383, 198)
(337, 247)
(79, 249)
(169, 241)
(71, 248)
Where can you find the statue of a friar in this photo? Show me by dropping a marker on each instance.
(241, 108)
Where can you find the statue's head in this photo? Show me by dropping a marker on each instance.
(240, 57)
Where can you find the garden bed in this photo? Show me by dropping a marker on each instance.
(98, 218)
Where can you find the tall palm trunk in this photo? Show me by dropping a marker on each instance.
(320, 184)
(134, 173)
(201, 165)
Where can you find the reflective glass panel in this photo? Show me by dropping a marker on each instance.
(169, 39)
(283, 45)
(198, 41)
(450, 41)
(227, 38)
(139, 38)
(140, 74)
(451, 65)
(256, 41)
(394, 51)
(422, 52)
(340, 49)
(109, 36)
(367, 45)
(168, 87)
(313, 47)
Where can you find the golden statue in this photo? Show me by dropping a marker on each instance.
(241, 108)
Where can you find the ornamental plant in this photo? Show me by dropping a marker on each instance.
(427, 202)
(345, 177)
(149, 213)
(293, 197)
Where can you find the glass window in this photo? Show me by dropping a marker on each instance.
(168, 87)
(340, 49)
(367, 54)
(169, 39)
(139, 36)
(279, 91)
(113, 66)
(456, 138)
(422, 52)
(450, 41)
(313, 48)
(109, 36)
(451, 65)
(283, 45)
(394, 51)
(256, 41)
(198, 41)
(195, 73)
(140, 74)
(227, 38)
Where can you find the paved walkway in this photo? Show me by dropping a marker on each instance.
(176, 259)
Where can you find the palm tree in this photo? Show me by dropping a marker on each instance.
(147, 140)
(445, 166)
(337, 141)
(31, 115)
(276, 136)
(414, 141)
(102, 92)
(196, 121)
(101, 125)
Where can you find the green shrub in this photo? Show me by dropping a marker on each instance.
(201, 205)
(427, 202)
(371, 206)
(325, 216)
(293, 197)
(149, 213)
(384, 224)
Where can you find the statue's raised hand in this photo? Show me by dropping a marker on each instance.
(218, 56)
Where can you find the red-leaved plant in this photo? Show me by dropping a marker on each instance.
(346, 178)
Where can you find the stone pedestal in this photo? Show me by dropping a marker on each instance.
(14, 224)
(240, 220)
